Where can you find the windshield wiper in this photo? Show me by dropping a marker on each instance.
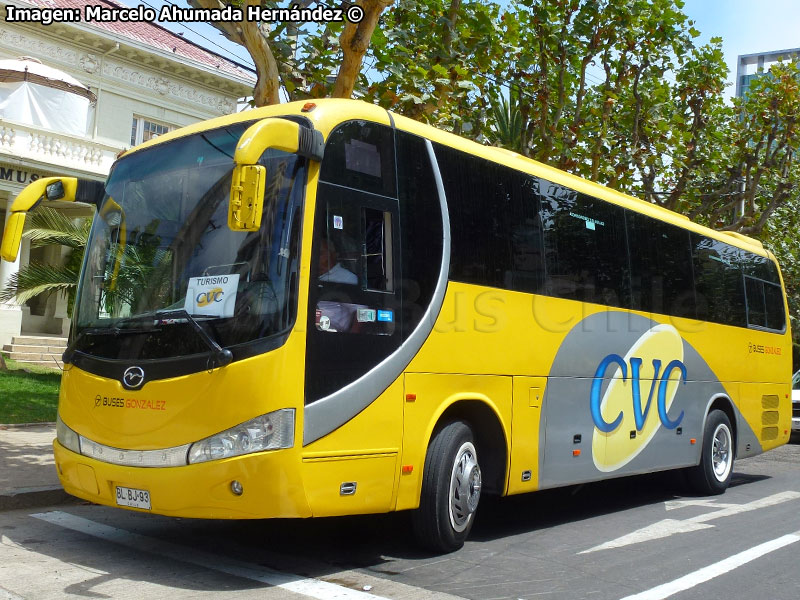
(222, 356)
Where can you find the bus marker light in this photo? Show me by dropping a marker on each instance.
(236, 488)
(576, 453)
(407, 469)
(308, 107)
(693, 441)
(411, 397)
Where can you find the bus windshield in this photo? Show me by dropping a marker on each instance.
(161, 258)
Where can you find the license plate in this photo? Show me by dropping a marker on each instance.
(132, 497)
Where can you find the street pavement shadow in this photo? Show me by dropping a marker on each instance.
(323, 547)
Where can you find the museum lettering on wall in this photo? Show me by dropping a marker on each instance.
(18, 175)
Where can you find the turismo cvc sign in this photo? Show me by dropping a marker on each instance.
(212, 296)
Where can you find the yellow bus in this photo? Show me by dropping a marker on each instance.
(324, 308)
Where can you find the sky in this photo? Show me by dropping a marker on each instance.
(745, 26)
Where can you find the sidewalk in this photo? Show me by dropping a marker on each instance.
(27, 471)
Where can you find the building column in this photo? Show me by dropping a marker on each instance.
(10, 312)
(60, 313)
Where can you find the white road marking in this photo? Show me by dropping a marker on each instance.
(6, 595)
(735, 509)
(676, 504)
(710, 572)
(314, 588)
(656, 531)
(8, 542)
(668, 527)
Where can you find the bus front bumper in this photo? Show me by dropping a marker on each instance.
(271, 488)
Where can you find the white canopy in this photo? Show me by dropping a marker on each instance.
(35, 94)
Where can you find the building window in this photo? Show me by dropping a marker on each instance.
(144, 129)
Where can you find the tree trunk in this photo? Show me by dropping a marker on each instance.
(255, 39)
(354, 42)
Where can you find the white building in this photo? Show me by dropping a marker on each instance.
(134, 81)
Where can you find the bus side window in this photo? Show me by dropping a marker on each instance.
(763, 293)
(377, 250)
(360, 155)
(718, 280)
(585, 247)
(661, 267)
(337, 250)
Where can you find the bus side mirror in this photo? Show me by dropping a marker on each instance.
(52, 189)
(247, 197)
(12, 236)
(49, 188)
(249, 178)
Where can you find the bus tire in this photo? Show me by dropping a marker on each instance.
(451, 488)
(713, 475)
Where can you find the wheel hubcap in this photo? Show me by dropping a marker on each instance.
(465, 487)
(721, 452)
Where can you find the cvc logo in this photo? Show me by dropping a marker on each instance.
(206, 298)
(662, 380)
(636, 403)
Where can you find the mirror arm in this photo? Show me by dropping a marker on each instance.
(310, 143)
(281, 134)
(90, 191)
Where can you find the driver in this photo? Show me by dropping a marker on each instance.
(329, 267)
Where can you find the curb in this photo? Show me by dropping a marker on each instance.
(13, 426)
(35, 497)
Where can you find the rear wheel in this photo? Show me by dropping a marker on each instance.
(451, 489)
(713, 475)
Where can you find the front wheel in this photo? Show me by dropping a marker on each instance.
(451, 488)
(713, 475)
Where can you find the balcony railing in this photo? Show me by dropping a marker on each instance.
(57, 149)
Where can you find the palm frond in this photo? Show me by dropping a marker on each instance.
(46, 226)
(507, 123)
(37, 278)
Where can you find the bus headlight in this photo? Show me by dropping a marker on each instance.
(66, 437)
(267, 432)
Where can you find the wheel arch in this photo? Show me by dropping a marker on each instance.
(725, 404)
(491, 437)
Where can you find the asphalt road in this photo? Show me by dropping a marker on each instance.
(639, 537)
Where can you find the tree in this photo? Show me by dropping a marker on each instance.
(300, 58)
(618, 92)
(435, 61)
(760, 172)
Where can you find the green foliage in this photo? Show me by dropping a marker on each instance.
(308, 55)
(507, 117)
(44, 227)
(616, 91)
(135, 266)
(436, 62)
